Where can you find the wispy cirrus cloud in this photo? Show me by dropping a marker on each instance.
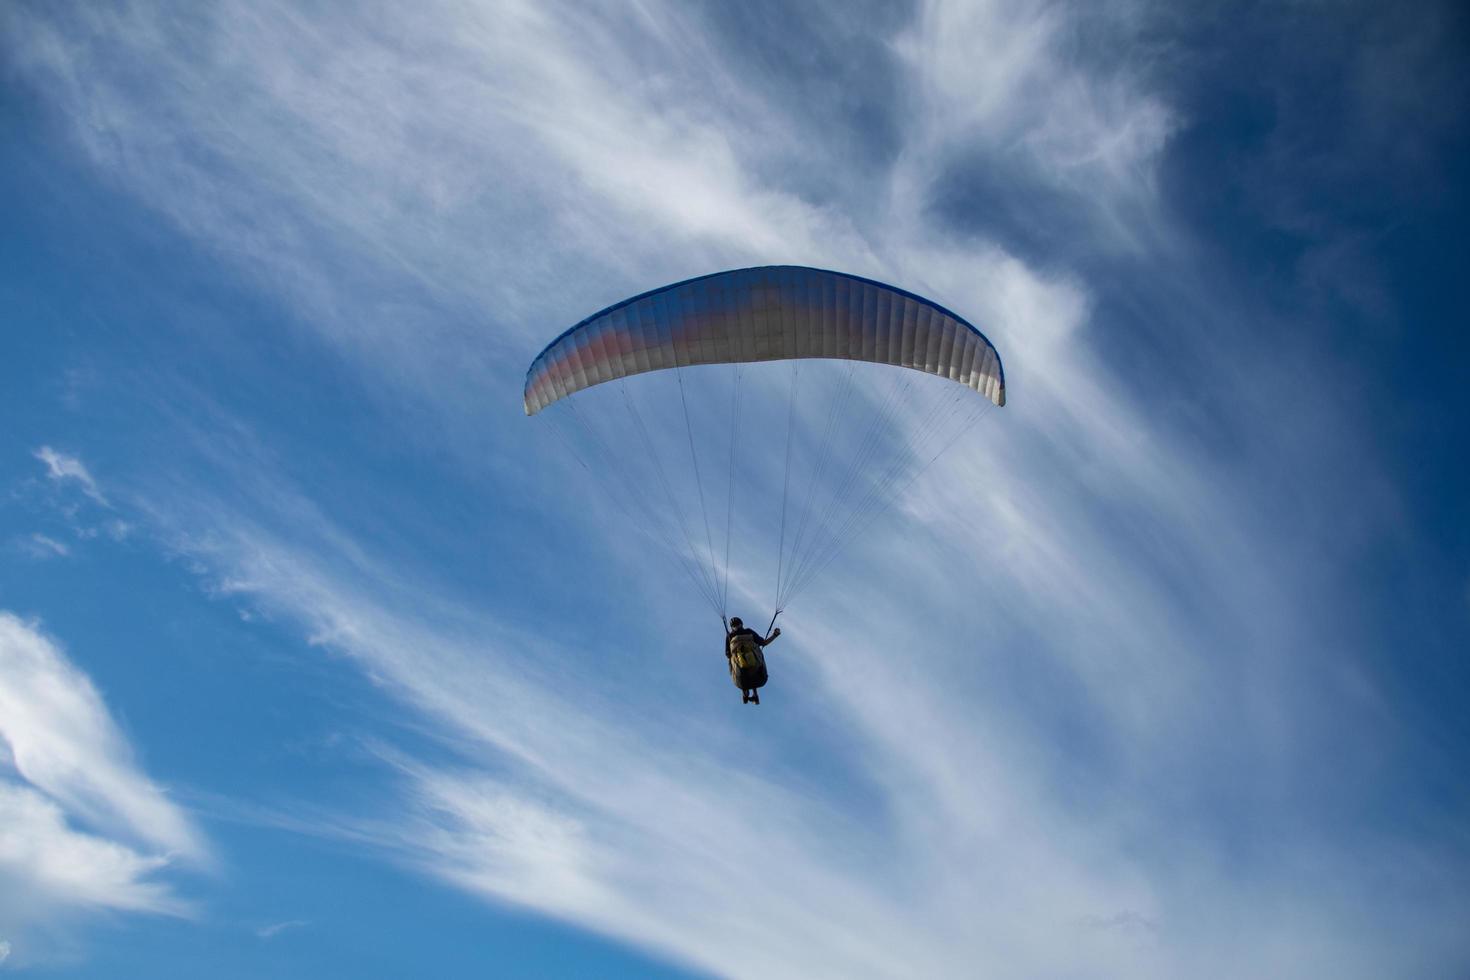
(81, 827)
(40, 545)
(977, 838)
(1007, 87)
(274, 929)
(68, 469)
(647, 849)
(64, 870)
(63, 467)
(64, 742)
(1069, 729)
(631, 141)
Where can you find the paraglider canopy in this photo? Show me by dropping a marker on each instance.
(768, 313)
(883, 427)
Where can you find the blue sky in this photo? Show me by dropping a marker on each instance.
(317, 656)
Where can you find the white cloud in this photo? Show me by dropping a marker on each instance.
(975, 841)
(546, 147)
(64, 742)
(274, 929)
(81, 829)
(1045, 831)
(61, 869)
(1005, 79)
(62, 467)
(636, 829)
(42, 546)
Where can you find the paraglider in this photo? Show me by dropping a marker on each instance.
(744, 649)
(882, 427)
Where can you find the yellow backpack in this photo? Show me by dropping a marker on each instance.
(745, 653)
